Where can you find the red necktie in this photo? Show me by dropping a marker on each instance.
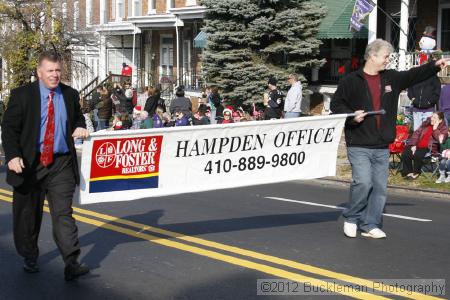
(49, 137)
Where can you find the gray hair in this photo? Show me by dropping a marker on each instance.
(376, 46)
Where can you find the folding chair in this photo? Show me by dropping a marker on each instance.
(430, 166)
(397, 147)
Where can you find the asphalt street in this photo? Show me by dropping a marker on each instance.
(225, 244)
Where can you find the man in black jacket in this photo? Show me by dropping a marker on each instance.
(372, 88)
(424, 97)
(38, 129)
(275, 104)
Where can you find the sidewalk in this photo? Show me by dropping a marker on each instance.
(424, 185)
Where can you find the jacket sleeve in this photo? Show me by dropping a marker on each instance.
(79, 120)
(293, 97)
(339, 102)
(441, 130)
(149, 104)
(273, 103)
(405, 79)
(436, 88)
(215, 99)
(412, 141)
(411, 93)
(12, 127)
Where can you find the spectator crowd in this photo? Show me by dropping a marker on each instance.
(121, 108)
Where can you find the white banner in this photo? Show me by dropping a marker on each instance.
(134, 164)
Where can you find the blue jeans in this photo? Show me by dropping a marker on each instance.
(419, 117)
(102, 124)
(444, 165)
(213, 116)
(291, 114)
(447, 118)
(368, 190)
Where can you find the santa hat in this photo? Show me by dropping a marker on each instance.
(137, 109)
(227, 111)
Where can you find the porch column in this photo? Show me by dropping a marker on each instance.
(136, 30)
(403, 43)
(177, 31)
(102, 67)
(103, 10)
(373, 18)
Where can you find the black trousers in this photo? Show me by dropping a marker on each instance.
(57, 182)
(413, 163)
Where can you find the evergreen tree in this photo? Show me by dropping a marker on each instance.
(252, 40)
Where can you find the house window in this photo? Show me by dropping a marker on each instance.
(170, 4)
(186, 56)
(113, 9)
(134, 8)
(445, 29)
(120, 10)
(166, 60)
(151, 7)
(137, 7)
(191, 2)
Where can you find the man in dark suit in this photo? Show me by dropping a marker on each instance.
(38, 128)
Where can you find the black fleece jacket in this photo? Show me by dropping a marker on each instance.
(353, 94)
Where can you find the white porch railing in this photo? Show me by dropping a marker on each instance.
(413, 60)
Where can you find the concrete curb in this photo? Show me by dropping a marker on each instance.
(397, 187)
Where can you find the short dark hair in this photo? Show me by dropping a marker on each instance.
(202, 109)
(440, 115)
(49, 55)
(180, 92)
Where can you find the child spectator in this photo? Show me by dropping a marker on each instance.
(202, 119)
(227, 116)
(141, 119)
(117, 122)
(444, 166)
(126, 121)
(181, 119)
(236, 117)
(158, 117)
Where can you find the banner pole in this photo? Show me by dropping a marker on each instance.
(369, 113)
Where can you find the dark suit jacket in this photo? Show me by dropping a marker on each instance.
(21, 128)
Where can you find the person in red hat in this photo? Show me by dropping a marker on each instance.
(126, 70)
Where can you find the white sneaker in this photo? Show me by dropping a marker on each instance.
(447, 180)
(350, 229)
(441, 179)
(375, 233)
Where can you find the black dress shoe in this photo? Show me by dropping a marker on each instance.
(30, 265)
(73, 271)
